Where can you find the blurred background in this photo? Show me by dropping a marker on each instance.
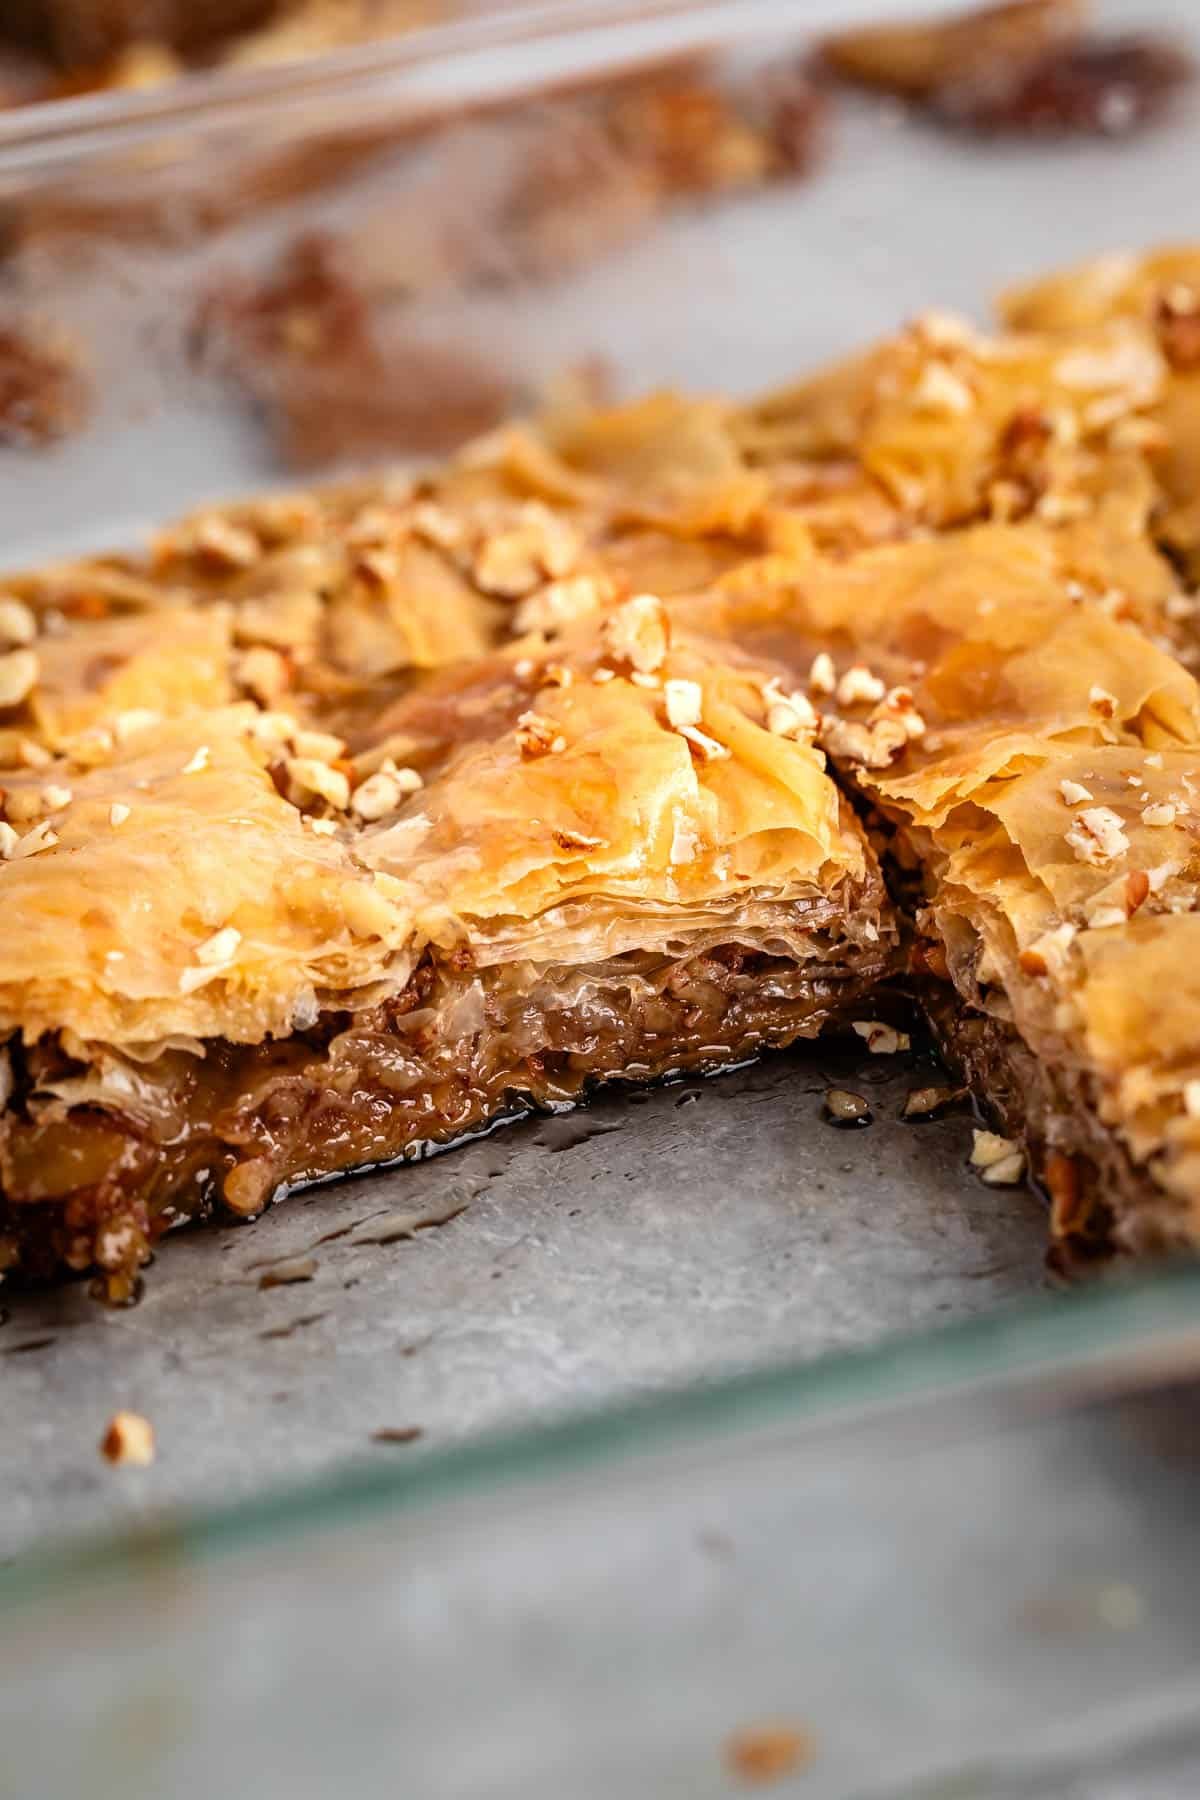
(244, 241)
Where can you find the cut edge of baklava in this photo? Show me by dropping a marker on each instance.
(238, 960)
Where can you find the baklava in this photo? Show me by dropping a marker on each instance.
(341, 825)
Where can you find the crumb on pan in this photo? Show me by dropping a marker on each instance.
(128, 1439)
(764, 1753)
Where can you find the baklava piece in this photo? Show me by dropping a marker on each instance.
(1033, 766)
(343, 824)
(237, 958)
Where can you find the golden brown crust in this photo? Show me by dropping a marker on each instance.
(337, 819)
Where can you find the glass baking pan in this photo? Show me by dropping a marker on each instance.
(463, 192)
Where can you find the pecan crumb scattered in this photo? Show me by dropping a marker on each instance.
(1097, 835)
(822, 676)
(999, 1160)
(927, 1102)
(1074, 793)
(128, 1439)
(539, 736)
(762, 1753)
(636, 633)
(881, 1039)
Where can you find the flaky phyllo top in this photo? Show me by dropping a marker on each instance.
(230, 872)
(621, 679)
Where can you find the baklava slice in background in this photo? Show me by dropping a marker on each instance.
(1159, 292)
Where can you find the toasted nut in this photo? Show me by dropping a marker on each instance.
(383, 792)
(1097, 835)
(1159, 876)
(8, 841)
(118, 812)
(762, 1753)
(35, 841)
(707, 748)
(944, 330)
(859, 684)
(220, 948)
(1159, 813)
(538, 736)
(514, 561)
(636, 633)
(685, 702)
(940, 390)
(18, 676)
(925, 1102)
(128, 1439)
(1000, 1160)
(310, 778)
(17, 622)
(1074, 793)
(870, 746)
(1047, 955)
(897, 706)
(1137, 889)
(197, 761)
(880, 1039)
(507, 564)
(437, 526)
(844, 1107)
(1009, 1172)
(559, 603)
(223, 542)
(24, 804)
(685, 841)
(822, 676)
(989, 1147)
(789, 715)
(321, 744)
(262, 673)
